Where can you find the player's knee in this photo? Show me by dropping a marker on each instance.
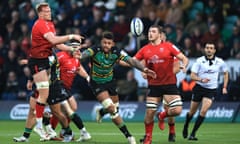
(176, 106)
(42, 85)
(108, 104)
(203, 112)
(152, 105)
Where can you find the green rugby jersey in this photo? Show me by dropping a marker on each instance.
(102, 63)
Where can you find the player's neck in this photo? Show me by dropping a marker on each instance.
(156, 42)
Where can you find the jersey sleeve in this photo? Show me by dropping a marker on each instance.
(139, 54)
(91, 51)
(173, 48)
(224, 67)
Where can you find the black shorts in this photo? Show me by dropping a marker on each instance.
(37, 65)
(57, 93)
(109, 86)
(200, 92)
(160, 90)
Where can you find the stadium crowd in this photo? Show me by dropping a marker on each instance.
(189, 24)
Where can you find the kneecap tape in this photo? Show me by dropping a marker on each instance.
(107, 102)
(152, 105)
(42, 85)
(175, 102)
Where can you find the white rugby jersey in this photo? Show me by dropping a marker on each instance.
(202, 68)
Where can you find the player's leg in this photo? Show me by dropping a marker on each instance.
(171, 125)
(175, 108)
(102, 111)
(56, 110)
(107, 103)
(206, 104)
(193, 108)
(173, 99)
(84, 135)
(172, 133)
(41, 80)
(30, 122)
(151, 108)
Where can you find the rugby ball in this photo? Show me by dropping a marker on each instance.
(136, 26)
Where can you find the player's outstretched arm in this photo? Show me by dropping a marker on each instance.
(137, 64)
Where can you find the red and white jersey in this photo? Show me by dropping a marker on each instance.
(68, 68)
(159, 58)
(41, 48)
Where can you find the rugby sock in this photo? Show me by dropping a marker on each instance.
(163, 114)
(39, 114)
(197, 124)
(54, 121)
(171, 128)
(27, 132)
(46, 121)
(103, 111)
(188, 119)
(149, 129)
(77, 120)
(39, 109)
(69, 120)
(124, 130)
(67, 130)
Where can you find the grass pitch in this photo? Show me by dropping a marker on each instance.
(107, 133)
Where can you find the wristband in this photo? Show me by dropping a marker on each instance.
(88, 78)
(70, 37)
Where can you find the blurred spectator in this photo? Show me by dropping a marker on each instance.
(11, 88)
(214, 8)
(11, 63)
(188, 48)
(12, 33)
(3, 51)
(186, 86)
(31, 18)
(197, 23)
(2, 82)
(162, 10)
(212, 35)
(234, 36)
(22, 81)
(235, 50)
(96, 37)
(132, 8)
(24, 9)
(98, 14)
(152, 19)
(146, 7)
(196, 36)
(127, 88)
(199, 49)
(16, 21)
(180, 36)
(170, 33)
(175, 14)
(222, 51)
(120, 29)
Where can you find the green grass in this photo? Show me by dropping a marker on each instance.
(107, 133)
